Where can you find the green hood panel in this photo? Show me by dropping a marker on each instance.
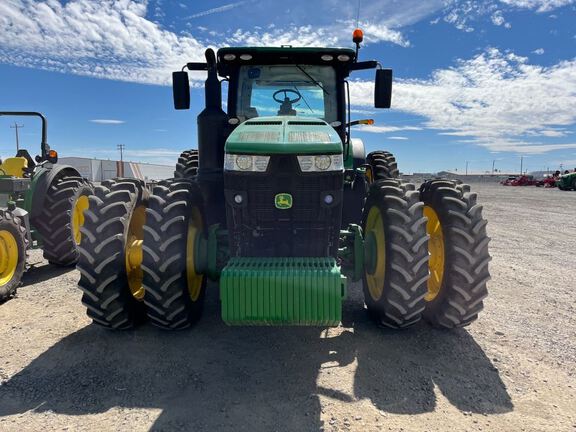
(284, 135)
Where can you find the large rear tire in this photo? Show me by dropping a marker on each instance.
(61, 218)
(174, 292)
(459, 254)
(396, 254)
(13, 245)
(187, 165)
(111, 253)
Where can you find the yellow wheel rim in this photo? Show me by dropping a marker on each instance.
(436, 251)
(194, 279)
(369, 175)
(133, 253)
(375, 253)
(8, 257)
(80, 205)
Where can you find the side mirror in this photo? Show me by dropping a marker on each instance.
(383, 88)
(181, 90)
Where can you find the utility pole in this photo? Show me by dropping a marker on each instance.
(121, 147)
(17, 126)
(521, 165)
(466, 167)
(493, 163)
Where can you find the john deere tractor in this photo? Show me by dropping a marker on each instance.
(282, 207)
(41, 205)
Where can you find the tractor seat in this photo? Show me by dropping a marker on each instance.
(14, 166)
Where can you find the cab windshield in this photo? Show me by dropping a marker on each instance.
(298, 90)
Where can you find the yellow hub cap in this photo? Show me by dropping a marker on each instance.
(375, 253)
(133, 253)
(194, 279)
(8, 257)
(80, 205)
(436, 251)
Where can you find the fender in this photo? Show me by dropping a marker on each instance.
(357, 152)
(41, 181)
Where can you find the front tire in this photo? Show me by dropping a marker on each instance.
(13, 245)
(459, 254)
(396, 255)
(110, 274)
(174, 224)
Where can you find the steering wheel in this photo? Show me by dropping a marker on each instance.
(286, 91)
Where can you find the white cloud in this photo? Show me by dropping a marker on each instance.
(399, 138)
(538, 5)
(539, 51)
(220, 9)
(463, 14)
(108, 121)
(105, 39)
(497, 99)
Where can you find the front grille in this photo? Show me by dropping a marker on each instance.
(258, 228)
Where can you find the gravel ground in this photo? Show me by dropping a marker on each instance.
(512, 370)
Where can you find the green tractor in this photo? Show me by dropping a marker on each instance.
(567, 181)
(284, 209)
(41, 206)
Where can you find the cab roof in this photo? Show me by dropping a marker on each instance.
(233, 57)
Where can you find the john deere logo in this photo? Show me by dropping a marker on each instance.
(283, 201)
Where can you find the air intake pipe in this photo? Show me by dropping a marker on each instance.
(212, 129)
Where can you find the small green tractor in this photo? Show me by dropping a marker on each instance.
(41, 206)
(284, 209)
(567, 181)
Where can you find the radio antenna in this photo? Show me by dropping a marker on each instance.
(358, 14)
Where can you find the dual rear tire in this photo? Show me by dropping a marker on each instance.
(137, 256)
(426, 254)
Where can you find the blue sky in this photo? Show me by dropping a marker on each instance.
(476, 81)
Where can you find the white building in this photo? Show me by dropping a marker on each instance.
(97, 170)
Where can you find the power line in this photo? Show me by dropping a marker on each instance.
(17, 126)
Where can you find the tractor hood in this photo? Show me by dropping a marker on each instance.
(284, 135)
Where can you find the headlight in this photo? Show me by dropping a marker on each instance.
(321, 163)
(248, 163)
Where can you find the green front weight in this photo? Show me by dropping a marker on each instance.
(282, 291)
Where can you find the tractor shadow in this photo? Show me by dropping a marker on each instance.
(41, 272)
(216, 377)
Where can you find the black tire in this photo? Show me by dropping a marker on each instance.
(171, 210)
(466, 256)
(14, 228)
(187, 165)
(55, 220)
(102, 264)
(382, 166)
(401, 302)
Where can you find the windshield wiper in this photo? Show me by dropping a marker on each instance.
(303, 98)
(313, 80)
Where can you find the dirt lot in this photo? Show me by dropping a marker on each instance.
(512, 370)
